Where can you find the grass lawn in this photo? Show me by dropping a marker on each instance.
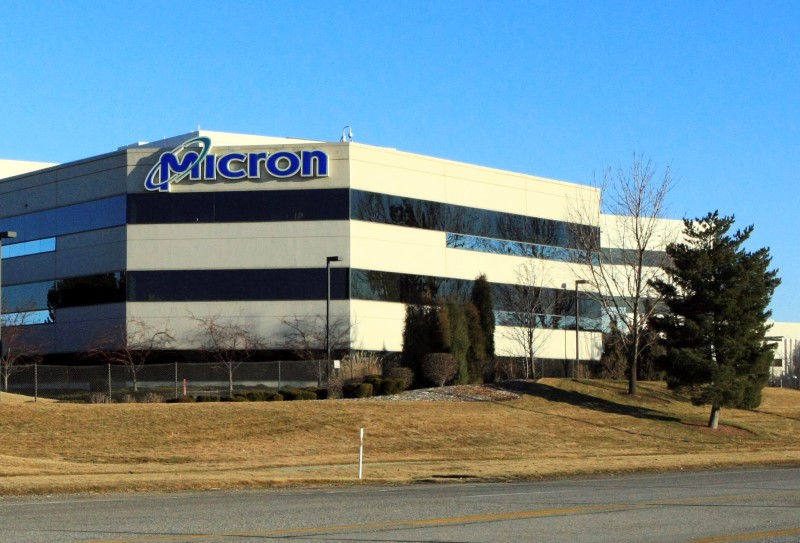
(557, 427)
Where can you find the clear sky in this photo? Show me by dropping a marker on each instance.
(556, 89)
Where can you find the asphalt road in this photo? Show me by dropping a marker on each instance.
(756, 505)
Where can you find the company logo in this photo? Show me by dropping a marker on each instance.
(192, 160)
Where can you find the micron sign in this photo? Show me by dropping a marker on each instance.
(192, 160)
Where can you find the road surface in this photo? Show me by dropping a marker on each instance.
(755, 505)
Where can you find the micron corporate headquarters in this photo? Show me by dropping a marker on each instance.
(242, 228)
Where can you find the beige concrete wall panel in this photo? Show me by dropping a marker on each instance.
(555, 344)
(378, 325)
(616, 232)
(466, 264)
(88, 253)
(237, 245)
(396, 248)
(405, 174)
(400, 182)
(91, 179)
(22, 200)
(29, 269)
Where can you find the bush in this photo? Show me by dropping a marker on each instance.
(405, 375)
(182, 399)
(389, 387)
(294, 394)
(273, 397)
(357, 390)
(207, 398)
(372, 379)
(364, 390)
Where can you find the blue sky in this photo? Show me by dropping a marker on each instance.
(556, 89)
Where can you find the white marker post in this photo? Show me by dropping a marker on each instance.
(361, 455)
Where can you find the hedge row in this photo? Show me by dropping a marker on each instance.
(373, 385)
(256, 396)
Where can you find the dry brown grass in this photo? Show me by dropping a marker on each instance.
(557, 427)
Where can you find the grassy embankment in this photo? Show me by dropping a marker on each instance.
(558, 427)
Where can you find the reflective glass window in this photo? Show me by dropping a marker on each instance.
(236, 285)
(558, 305)
(104, 288)
(35, 247)
(93, 215)
(239, 206)
(27, 318)
(410, 212)
(517, 248)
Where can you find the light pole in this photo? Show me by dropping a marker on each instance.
(328, 261)
(3, 235)
(578, 282)
(564, 324)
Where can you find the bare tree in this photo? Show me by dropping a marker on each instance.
(634, 236)
(529, 308)
(439, 367)
(19, 351)
(306, 338)
(131, 346)
(227, 344)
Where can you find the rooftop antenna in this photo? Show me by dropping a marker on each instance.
(347, 134)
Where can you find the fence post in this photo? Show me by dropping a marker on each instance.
(279, 375)
(35, 382)
(109, 382)
(176, 380)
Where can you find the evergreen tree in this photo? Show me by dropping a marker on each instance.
(717, 295)
(483, 301)
(425, 331)
(477, 359)
(459, 337)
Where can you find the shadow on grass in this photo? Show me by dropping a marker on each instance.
(584, 401)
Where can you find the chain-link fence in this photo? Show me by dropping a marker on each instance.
(162, 381)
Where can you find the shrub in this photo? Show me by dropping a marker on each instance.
(181, 399)
(439, 367)
(152, 397)
(207, 398)
(372, 379)
(273, 397)
(256, 396)
(405, 375)
(389, 387)
(357, 390)
(359, 364)
(364, 390)
(294, 394)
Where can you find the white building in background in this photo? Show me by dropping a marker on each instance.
(786, 363)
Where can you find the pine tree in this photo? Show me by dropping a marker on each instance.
(717, 295)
